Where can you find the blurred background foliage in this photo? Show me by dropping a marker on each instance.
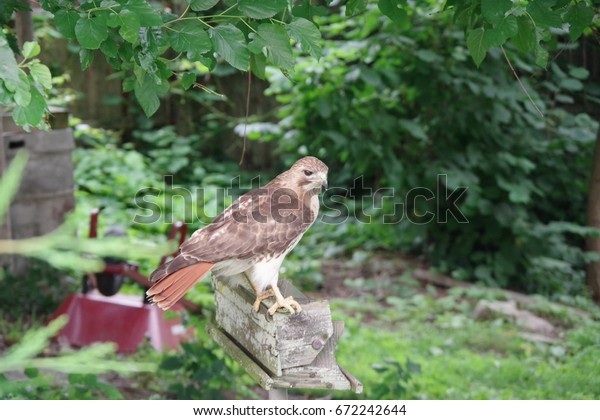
(395, 105)
(401, 105)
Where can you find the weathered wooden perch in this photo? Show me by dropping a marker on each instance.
(282, 351)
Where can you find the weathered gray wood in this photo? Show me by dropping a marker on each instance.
(278, 394)
(280, 342)
(284, 351)
(355, 385)
(323, 372)
(231, 348)
(309, 377)
(5, 226)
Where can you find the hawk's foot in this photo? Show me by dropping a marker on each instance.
(260, 297)
(285, 303)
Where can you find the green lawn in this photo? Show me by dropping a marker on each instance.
(461, 358)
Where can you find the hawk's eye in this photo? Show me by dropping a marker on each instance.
(307, 172)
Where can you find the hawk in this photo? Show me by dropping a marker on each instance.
(251, 237)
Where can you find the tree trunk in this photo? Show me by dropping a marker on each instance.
(24, 25)
(5, 228)
(593, 220)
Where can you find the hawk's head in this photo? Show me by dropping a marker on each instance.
(310, 174)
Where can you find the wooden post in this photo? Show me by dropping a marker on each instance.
(278, 394)
(5, 225)
(284, 351)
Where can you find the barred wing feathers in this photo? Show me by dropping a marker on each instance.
(261, 224)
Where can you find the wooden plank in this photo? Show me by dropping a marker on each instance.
(323, 372)
(303, 336)
(278, 394)
(237, 354)
(280, 342)
(355, 384)
(251, 330)
(309, 377)
(282, 351)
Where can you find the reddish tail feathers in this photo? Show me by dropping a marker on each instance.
(171, 288)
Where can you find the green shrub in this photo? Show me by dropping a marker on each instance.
(402, 105)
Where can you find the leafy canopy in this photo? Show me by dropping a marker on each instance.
(528, 24)
(405, 109)
(143, 42)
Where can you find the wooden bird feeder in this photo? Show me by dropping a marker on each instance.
(283, 351)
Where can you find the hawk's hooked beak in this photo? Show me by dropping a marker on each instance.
(324, 183)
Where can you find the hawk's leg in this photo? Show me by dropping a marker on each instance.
(260, 297)
(286, 303)
(280, 302)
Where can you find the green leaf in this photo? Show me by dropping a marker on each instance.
(188, 35)
(109, 3)
(392, 9)
(9, 183)
(508, 26)
(258, 63)
(33, 113)
(229, 42)
(7, 7)
(475, 43)
(201, 5)
(187, 80)
(146, 93)
(257, 44)
(517, 193)
(147, 15)
(128, 23)
(86, 58)
(171, 363)
(6, 97)
(497, 36)
(493, 38)
(110, 48)
(542, 15)
(21, 88)
(355, 7)
(65, 21)
(494, 10)
(525, 39)
(571, 84)
(579, 17)
(30, 49)
(277, 43)
(9, 69)
(307, 35)
(308, 11)
(91, 32)
(41, 74)
(31, 372)
(262, 9)
(541, 56)
(580, 73)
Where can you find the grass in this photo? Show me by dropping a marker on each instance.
(392, 325)
(461, 358)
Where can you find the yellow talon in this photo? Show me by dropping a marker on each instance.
(260, 297)
(288, 303)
